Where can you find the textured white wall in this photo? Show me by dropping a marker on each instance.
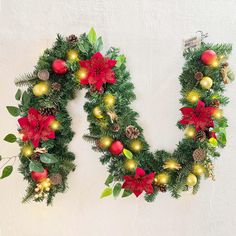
(150, 33)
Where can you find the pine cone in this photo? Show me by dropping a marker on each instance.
(215, 103)
(201, 136)
(56, 179)
(72, 39)
(199, 154)
(43, 75)
(116, 127)
(48, 111)
(198, 75)
(56, 86)
(162, 188)
(132, 132)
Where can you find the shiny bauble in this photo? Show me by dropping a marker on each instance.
(191, 180)
(72, 55)
(116, 148)
(105, 142)
(218, 114)
(27, 151)
(208, 57)
(161, 179)
(55, 125)
(59, 66)
(193, 96)
(109, 100)
(213, 142)
(171, 165)
(136, 145)
(190, 132)
(81, 74)
(198, 169)
(39, 176)
(206, 82)
(130, 165)
(97, 112)
(41, 89)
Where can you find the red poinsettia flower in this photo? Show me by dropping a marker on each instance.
(99, 71)
(200, 116)
(139, 183)
(35, 127)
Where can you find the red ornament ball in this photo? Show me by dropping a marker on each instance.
(116, 148)
(39, 176)
(59, 67)
(208, 57)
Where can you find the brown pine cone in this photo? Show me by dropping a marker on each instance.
(132, 132)
(198, 75)
(48, 111)
(56, 179)
(116, 127)
(201, 136)
(72, 39)
(215, 103)
(199, 154)
(162, 188)
(56, 86)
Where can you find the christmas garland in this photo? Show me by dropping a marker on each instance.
(75, 63)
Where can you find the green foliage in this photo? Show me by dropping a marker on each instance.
(14, 111)
(7, 170)
(106, 192)
(11, 138)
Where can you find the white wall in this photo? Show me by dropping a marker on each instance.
(150, 33)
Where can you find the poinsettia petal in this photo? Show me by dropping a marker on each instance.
(35, 142)
(148, 189)
(137, 192)
(111, 63)
(23, 122)
(186, 110)
(97, 56)
(139, 172)
(33, 111)
(200, 104)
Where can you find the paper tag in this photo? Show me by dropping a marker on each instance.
(192, 42)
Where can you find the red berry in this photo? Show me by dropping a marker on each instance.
(39, 176)
(59, 66)
(116, 148)
(208, 57)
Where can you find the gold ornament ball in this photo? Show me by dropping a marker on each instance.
(27, 151)
(172, 165)
(82, 73)
(109, 100)
(105, 142)
(97, 112)
(198, 169)
(40, 89)
(162, 178)
(206, 82)
(130, 165)
(73, 55)
(136, 145)
(191, 180)
(55, 125)
(218, 114)
(193, 96)
(213, 142)
(190, 132)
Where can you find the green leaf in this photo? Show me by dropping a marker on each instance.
(25, 99)
(106, 192)
(81, 48)
(99, 45)
(109, 180)
(48, 158)
(10, 138)
(116, 190)
(92, 37)
(120, 60)
(128, 153)
(14, 111)
(6, 171)
(18, 95)
(126, 193)
(35, 166)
